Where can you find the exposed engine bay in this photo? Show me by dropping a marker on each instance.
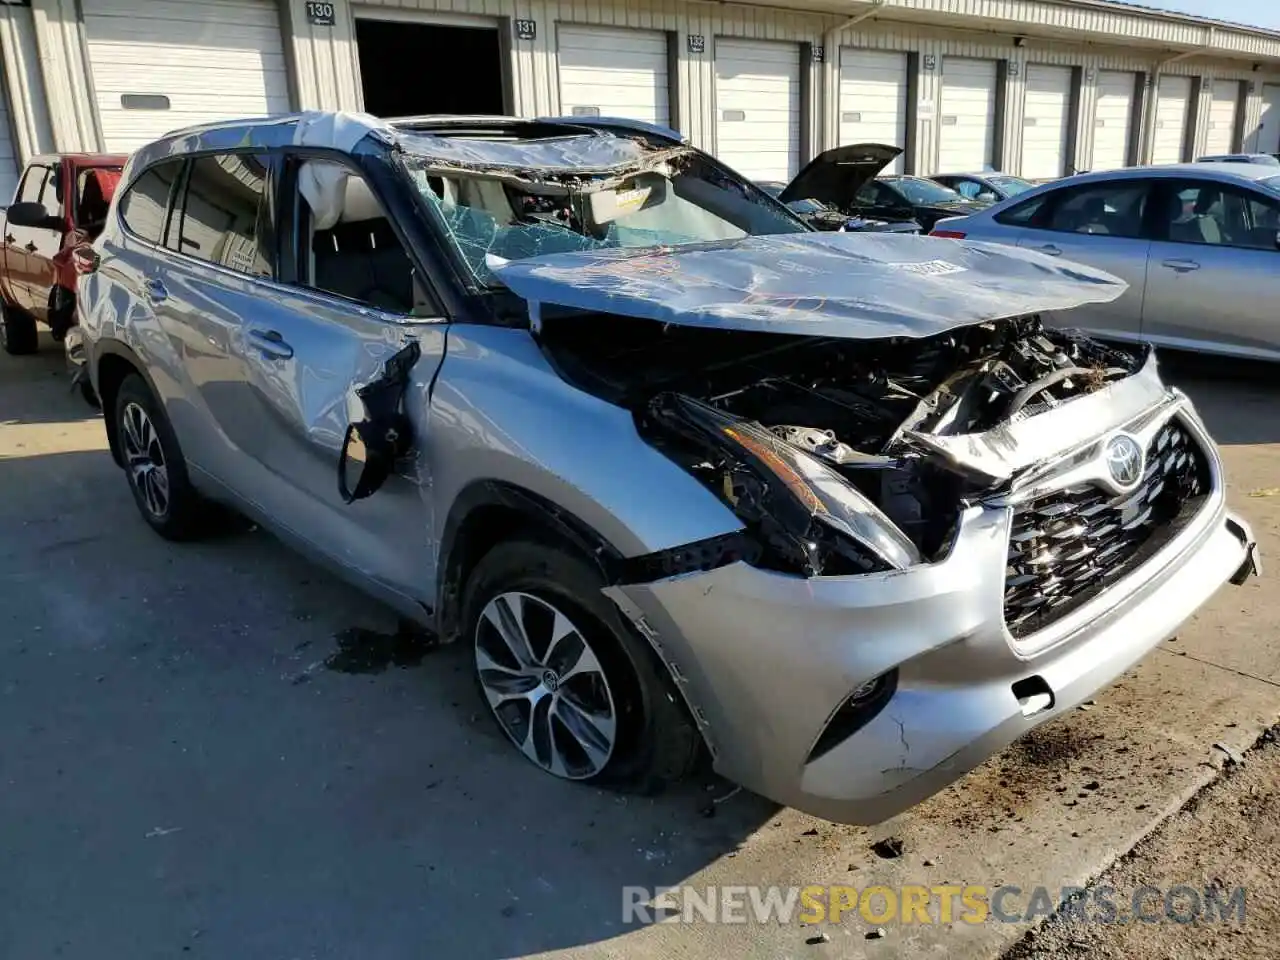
(810, 440)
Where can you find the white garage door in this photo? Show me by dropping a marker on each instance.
(1173, 94)
(1267, 139)
(1045, 120)
(1113, 119)
(613, 72)
(8, 156)
(160, 65)
(873, 99)
(758, 107)
(967, 115)
(1221, 135)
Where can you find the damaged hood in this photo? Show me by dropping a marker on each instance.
(837, 175)
(851, 285)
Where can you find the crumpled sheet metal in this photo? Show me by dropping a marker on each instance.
(856, 286)
(591, 151)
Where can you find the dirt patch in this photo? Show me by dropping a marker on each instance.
(1202, 886)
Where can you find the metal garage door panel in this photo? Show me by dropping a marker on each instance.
(1267, 138)
(213, 60)
(758, 107)
(873, 99)
(8, 155)
(1113, 119)
(1221, 135)
(613, 72)
(967, 115)
(1173, 94)
(1045, 119)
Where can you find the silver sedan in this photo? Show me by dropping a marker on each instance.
(1198, 244)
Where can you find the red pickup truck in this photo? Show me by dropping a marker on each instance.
(61, 203)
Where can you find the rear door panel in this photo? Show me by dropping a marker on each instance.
(1101, 225)
(1213, 277)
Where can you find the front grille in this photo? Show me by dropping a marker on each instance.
(1069, 545)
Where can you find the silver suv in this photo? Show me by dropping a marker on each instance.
(688, 476)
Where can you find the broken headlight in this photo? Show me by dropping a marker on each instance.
(807, 517)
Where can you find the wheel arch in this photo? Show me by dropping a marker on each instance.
(113, 362)
(488, 512)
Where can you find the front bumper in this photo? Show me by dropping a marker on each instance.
(765, 659)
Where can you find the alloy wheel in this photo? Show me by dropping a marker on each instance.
(545, 685)
(145, 461)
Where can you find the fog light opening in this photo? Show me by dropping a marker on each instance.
(1034, 695)
(856, 711)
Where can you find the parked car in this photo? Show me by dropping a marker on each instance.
(1265, 159)
(985, 187)
(848, 180)
(60, 206)
(1197, 244)
(822, 217)
(680, 470)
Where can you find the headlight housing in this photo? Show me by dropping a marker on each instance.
(808, 518)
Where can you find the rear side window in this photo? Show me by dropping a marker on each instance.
(143, 207)
(225, 217)
(1023, 214)
(1106, 209)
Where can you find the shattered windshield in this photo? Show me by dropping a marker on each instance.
(683, 199)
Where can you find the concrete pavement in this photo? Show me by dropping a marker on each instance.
(183, 772)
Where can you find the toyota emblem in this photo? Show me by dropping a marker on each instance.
(1124, 460)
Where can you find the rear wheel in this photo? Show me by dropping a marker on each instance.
(569, 683)
(18, 333)
(154, 465)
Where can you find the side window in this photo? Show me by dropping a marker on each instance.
(1111, 209)
(877, 194)
(32, 185)
(1207, 212)
(1025, 214)
(348, 247)
(143, 207)
(225, 217)
(969, 189)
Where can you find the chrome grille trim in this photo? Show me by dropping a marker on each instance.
(1070, 544)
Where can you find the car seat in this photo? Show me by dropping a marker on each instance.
(360, 257)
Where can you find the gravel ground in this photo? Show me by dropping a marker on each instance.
(1224, 845)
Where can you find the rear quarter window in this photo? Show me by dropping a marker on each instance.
(1022, 214)
(145, 205)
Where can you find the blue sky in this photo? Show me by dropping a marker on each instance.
(1259, 13)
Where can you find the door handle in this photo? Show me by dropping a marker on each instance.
(271, 344)
(1050, 249)
(31, 246)
(156, 291)
(1180, 266)
(10, 238)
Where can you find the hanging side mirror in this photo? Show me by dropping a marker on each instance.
(371, 447)
(363, 467)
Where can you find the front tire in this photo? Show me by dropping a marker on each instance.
(154, 464)
(18, 333)
(568, 682)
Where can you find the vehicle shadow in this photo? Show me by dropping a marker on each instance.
(189, 736)
(1238, 399)
(37, 388)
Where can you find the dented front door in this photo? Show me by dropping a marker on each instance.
(303, 361)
